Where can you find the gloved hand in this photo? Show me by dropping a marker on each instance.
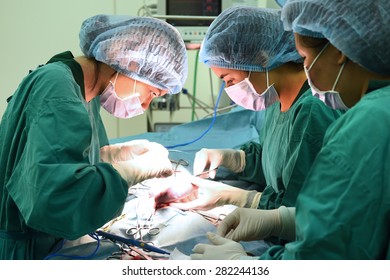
(151, 164)
(211, 159)
(125, 151)
(222, 249)
(255, 224)
(211, 194)
(177, 187)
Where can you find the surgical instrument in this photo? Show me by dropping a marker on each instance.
(205, 172)
(132, 242)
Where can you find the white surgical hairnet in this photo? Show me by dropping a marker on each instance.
(249, 39)
(143, 48)
(358, 28)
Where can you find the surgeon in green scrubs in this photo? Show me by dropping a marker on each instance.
(249, 50)
(342, 211)
(59, 178)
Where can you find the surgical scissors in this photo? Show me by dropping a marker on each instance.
(147, 225)
(133, 231)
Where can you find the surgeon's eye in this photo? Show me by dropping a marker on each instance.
(229, 83)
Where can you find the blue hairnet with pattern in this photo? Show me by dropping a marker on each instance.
(249, 39)
(143, 48)
(358, 28)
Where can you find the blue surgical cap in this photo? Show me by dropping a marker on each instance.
(358, 28)
(143, 48)
(281, 2)
(249, 39)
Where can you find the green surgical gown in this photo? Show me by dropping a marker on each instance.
(51, 188)
(343, 210)
(289, 143)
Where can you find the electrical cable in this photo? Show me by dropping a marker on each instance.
(94, 235)
(221, 109)
(194, 88)
(211, 87)
(210, 126)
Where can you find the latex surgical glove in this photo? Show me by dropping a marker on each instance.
(221, 249)
(126, 151)
(210, 194)
(255, 224)
(211, 159)
(177, 187)
(152, 164)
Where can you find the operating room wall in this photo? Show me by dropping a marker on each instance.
(32, 31)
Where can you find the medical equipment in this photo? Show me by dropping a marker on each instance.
(57, 253)
(192, 18)
(169, 103)
(179, 162)
(129, 253)
(132, 242)
(210, 126)
(202, 174)
(209, 216)
(144, 222)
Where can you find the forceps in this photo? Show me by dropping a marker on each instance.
(182, 162)
(206, 172)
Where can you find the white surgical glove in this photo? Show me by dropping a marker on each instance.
(211, 159)
(210, 194)
(125, 151)
(221, 249)
(255, 224)
(151, 164)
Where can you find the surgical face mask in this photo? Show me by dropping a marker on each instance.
(331, 97)
(121, 108)
(245, 95)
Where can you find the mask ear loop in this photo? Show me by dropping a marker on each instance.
(338, 76)
(266, 71)
(135, 86)
(318, 56)
(249, 76)
(116, 77)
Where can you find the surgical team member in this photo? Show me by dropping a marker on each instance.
(343, 209)
(54, 185)
(248, 48)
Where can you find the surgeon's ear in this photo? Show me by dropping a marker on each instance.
(341, 58)
(336, 56)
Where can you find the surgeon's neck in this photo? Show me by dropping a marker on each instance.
(97, 75)
(288, 80)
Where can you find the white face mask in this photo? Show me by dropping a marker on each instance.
(245, 95)
(331, 97)
(121, 108)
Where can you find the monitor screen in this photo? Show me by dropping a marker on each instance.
(192, 8)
